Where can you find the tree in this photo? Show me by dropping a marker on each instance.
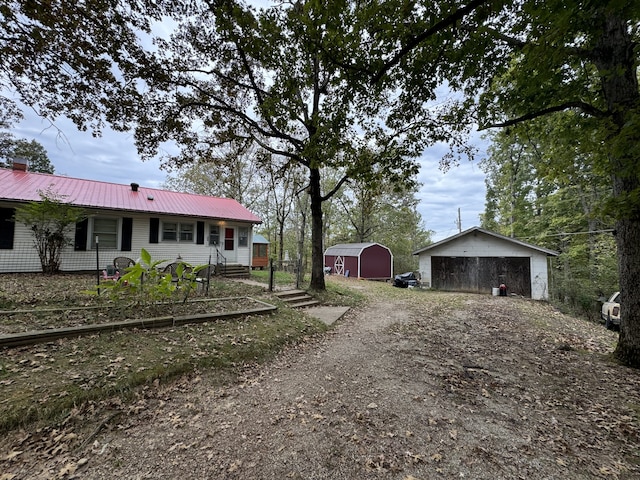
(537, 58)
(232, 172)
(50, 220)
(9, 115)
(31, 151)
(219, 83)
(542, 188)
(71, 58)
(581, 56)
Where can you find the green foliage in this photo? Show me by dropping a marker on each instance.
(146, 284)
(50, 220)
(544, 187)
(32, 151)
(381, 212)
(75, 58)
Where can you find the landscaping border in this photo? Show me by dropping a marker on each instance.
(43, 336)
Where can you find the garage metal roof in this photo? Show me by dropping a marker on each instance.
(490, 233)
(25, 187)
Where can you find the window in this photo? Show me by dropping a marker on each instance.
(169, 232)
(214, 235)
(7, 228)
(186, 232)
(106, 229)
(243, 236)
(180, 232)
(259, 250)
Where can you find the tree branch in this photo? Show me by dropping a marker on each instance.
(520, 44)
(415, 41)
(335, 189)
(585, 107)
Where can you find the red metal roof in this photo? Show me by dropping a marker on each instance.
(24, 187)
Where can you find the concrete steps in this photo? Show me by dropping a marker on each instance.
(297, 298)
(233, 270)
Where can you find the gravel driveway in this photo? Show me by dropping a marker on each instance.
(417, 385)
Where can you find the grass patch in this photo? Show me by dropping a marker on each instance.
(279, 277)
(340, 293)
(43, 382)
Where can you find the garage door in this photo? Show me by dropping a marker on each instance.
(481, 274)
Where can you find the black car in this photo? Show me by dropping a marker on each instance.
(405, 280)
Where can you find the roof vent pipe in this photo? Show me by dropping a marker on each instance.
(134, 187)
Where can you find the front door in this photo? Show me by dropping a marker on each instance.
(230, 244)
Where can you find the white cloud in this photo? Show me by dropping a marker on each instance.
(441, 194)
(109, 158)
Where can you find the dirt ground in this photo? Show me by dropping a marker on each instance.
(414, 386)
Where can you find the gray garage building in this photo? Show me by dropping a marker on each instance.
(478, 260)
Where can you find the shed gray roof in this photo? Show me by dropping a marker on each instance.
(350, 249)
(490, 233)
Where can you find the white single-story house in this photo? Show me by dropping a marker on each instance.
(478, 260)
(124, 219)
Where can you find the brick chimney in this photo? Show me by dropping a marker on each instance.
(20, 164)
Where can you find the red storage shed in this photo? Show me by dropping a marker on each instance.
(362, 260)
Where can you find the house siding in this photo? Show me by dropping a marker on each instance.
(23, 257)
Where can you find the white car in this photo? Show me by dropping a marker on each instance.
(611, 311)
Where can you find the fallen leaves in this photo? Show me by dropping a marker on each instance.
(444, 392)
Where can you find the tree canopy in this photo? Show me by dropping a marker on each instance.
(219, 84)
(32, 151)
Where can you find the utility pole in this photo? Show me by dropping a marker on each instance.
(459, 222)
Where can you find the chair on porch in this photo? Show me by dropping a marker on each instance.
(122, 263)
(172, 268)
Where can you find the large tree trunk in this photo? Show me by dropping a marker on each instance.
(317, 252)
(615, 59)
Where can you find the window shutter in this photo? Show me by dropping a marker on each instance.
(7, 228)
(154, 228)
(127, 233)
(200, 233)
(82, 229)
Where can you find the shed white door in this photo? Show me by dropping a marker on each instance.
(338, 265)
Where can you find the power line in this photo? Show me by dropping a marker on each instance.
(608, 230)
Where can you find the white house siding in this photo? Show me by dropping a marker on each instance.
(24, 258)
(482, 245)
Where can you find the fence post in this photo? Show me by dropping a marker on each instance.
(271, 270)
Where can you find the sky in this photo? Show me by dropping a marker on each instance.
(113, 158)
